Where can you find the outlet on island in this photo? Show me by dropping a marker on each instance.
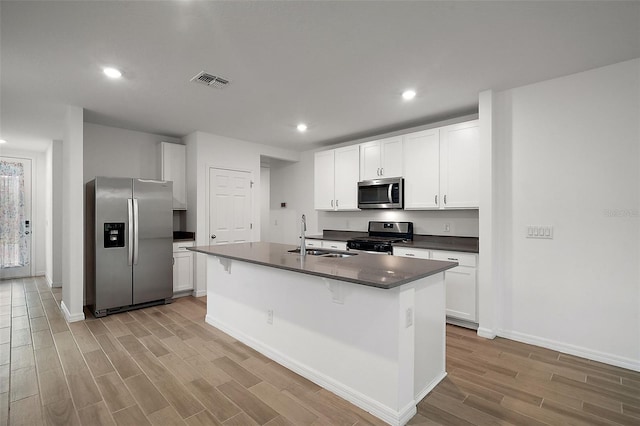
(269, 316)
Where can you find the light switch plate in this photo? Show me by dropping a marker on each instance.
(540, 231)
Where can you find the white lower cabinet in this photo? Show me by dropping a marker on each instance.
(460, 282)
(326, 244)
(313, 243)
(182, 268)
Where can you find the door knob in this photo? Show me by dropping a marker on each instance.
(213, 236)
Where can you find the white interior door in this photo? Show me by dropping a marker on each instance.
(229, 206)
(15, 217)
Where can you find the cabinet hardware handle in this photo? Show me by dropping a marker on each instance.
(378, 171)
(452, 258)
(381, 171)
(174, 261)
(410, 254)
(331, 203)
(213, 236)
(445, 198)
(336, 203)
(435, 197)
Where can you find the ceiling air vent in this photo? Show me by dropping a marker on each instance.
(210, 80)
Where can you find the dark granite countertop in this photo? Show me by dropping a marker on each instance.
(375, 270)
(432, 242)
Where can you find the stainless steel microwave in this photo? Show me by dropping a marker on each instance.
(385, 193)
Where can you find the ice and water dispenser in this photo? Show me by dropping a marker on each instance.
(113, 235)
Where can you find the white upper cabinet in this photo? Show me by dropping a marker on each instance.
(172, 168)
(324, 196)
(422, 170)
(346, 177)
(381, 158)
(460, 165)
(336, 175)
(441, 167)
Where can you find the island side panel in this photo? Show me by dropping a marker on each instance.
(351, 339)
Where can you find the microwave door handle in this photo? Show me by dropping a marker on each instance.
(390, 193)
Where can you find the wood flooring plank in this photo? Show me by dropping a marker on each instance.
(441, 416)
(20, 337)
(185, 404)
(168, 416)
(53, 386)
(98, 363)
(179, 368)
(41, 339)
(70, 355)
(36, 311)
(5, 335)
(98, 415)
(154, 345)
(131, 416)
(283, 404)
(610, 415)
(115, 393)
(57, 324)
(26, 412)
(39, 324)
(499, 412)
(313, 403)
(115, 328)
(4, 408)
(607, 393)
(249, 403)
(61, 413)
(20, 322)
(460, 410)
(22, 357)
(159, 331)
(219, 405)
(96, 327)
(501, 387)
(84, 338)
(175, 345)
(465, 388)
(630, 410)
(618, 387)
(24, 383)
(237, 372)
(108, 343)
(539, 413)
(572, 413)
(364, 418)
(5, 353)
(305, 384)
(282, 421)
(137, 329)
(208, 370)
(131, 344)
(124, 364)
(47, 359)
(83, 389)
(147, 395)
(204, 418)
(241, 419)
(420, 420)
(5, 373)
(151, 366)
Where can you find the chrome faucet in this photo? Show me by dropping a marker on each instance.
(303, 229)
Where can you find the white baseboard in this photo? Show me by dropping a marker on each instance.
(607, 358)
(487, 333)
(430, 387)
(71, 317)
(379, 410)
(199, 293)
(50, 282)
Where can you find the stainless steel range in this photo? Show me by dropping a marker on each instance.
(381, 237)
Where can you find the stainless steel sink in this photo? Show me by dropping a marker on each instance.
(311, 252)
(324, 253)
(339, 254)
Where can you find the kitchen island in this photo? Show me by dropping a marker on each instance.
(368, 327)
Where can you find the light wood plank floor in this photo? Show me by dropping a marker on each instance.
(165, 366)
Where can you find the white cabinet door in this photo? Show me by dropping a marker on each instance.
(334, 245)
(391, 157)
(346, 178)
(172, 168)
(370, 160)
(313, 243)
(459, 165)
(323, 178)
(422, 170)
(461, 284)
(182, 271)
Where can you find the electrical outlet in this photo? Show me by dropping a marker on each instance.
(447, 227)
(270, 316)
(409, 318)
(538, 231)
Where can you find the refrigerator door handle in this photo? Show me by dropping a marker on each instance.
(131, 227)
(135, 231)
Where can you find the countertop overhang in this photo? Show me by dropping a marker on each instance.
(374, 270)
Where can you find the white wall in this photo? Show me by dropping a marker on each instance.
(54, 214)
(38, 206)
(204, 151)
(568, 155)
(265, 183)
(114, 152)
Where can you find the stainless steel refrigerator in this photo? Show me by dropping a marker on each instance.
(129, 225)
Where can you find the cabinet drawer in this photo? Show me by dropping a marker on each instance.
(411, 252)
(313, 243)
(463, 259)
(179, 246)
(334, 245)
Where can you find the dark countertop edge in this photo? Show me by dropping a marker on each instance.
(322, 275)
(419, 241)
(181, 240)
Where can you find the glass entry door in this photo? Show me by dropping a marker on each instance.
(15, 217)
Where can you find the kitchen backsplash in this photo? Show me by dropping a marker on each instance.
(462, 223)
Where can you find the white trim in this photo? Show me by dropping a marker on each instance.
(430, 386)
(607, 358)
(70, 317)
(199, 293)
(487, 333)
(387, 414)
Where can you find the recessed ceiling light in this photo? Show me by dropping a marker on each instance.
(3, 141)
(302, 127)
(112, 72)
(407, 95)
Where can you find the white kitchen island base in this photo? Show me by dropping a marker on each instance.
(381, 349)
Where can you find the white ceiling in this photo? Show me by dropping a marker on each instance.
(338, 66)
